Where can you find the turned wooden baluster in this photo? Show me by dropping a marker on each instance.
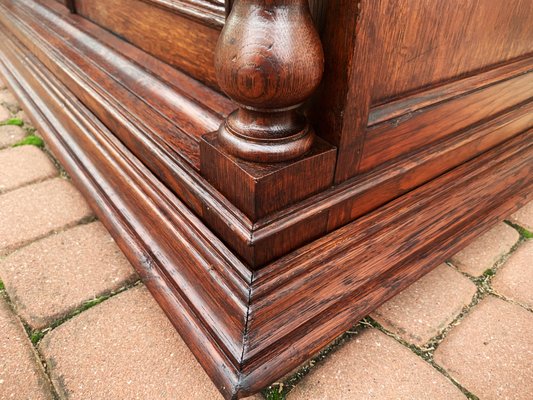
(269, 60)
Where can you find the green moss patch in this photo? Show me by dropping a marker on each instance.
(12, 121)
(31, 140)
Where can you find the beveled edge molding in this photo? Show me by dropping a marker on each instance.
(418, 129)
(214, 12)
(182, 263)
(208, 12)
(248, 329)
(448, 91)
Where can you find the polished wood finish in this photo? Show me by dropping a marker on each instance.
(260, 262)
(428, 45)
(415, 130)
(269, 60)
(407, 49)
(173, 37)
(265, 155)
(259, 189)
(207, 12)
(168, 138)
(248, 330)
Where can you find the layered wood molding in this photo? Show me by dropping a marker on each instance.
(270, 190)
(209, 12)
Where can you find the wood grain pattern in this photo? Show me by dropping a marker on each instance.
(408, 49)
(208, 12)
(248, 329)
(269, 60)
(184, 254)
(447, 92)
(160, 113)
(340, 109)
(316, 290)
(173, 38)
(256, 285)
(415, 130)
(427, 45)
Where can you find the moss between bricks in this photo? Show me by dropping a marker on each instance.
(36, 335)
(12, 121)
(521, 230)
(31, 140)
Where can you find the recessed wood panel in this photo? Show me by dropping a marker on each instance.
(416, 130)
(406, 54)
(180, 41)
(419, 43)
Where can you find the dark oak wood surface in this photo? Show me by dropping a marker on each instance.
(408, 49)
(427, 44)
(421, 130)
(182, 42)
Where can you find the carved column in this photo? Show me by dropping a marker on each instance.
(269, 60)
(265, 155)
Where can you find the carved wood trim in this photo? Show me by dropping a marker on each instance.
(249, 329)
(447, 92)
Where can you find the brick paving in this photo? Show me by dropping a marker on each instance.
(374, 366)
(428, 306)
(515, 279)
(486, 250)
(24, 165)
(35, 211)
(524, 217)
(10, 134)
(21, 374)
(491, 351)
(92, 332)
(4, 113)
(70, 268)
(92, 354)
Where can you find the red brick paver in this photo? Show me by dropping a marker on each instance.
(10, 134)
(374, 366)
(524, 217)
(24, 117)
(9, 101)
(21, 374)
(486, 250)
(426, 307)
(31, 212)
(51, 277)
(4, 113)
(515, 279)
(124, 348)
(22, 165)
(491, 351)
